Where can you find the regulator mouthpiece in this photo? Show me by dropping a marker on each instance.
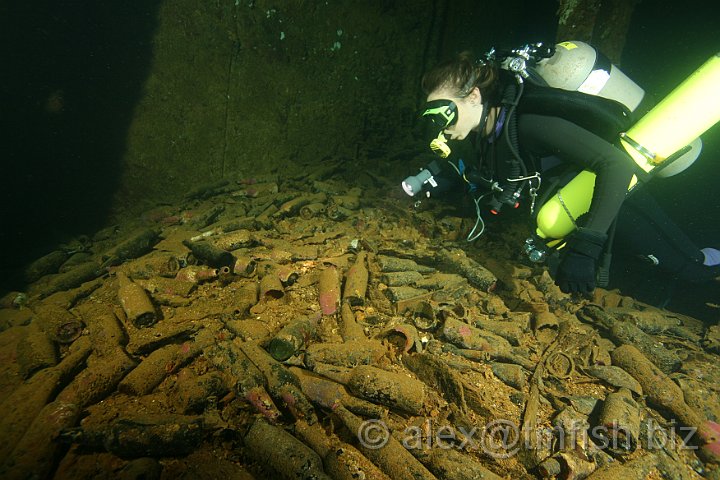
(439, 115)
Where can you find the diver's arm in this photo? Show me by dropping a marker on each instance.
(545, 135)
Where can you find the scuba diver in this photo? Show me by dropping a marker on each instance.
(529, 127)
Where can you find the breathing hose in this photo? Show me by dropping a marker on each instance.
(512, 189)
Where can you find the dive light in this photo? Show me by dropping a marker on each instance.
(414, 183)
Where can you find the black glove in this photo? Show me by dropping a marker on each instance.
(577, 269)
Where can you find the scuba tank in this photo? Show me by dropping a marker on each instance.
(579, 67)
(658, 143)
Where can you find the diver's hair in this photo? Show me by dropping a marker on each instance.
(460, 74)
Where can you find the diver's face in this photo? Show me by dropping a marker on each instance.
(469, 112)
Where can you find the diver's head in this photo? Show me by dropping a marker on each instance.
(463, 85)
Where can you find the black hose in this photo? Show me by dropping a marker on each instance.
(535, 78)
(603, 267)
(511, 190)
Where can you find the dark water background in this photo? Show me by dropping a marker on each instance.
(72, 73)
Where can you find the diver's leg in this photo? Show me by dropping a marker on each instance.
(645, 230)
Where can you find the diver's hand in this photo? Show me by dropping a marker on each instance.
(576, 273)
(578, 267)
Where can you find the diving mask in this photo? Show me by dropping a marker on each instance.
(440, 114)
